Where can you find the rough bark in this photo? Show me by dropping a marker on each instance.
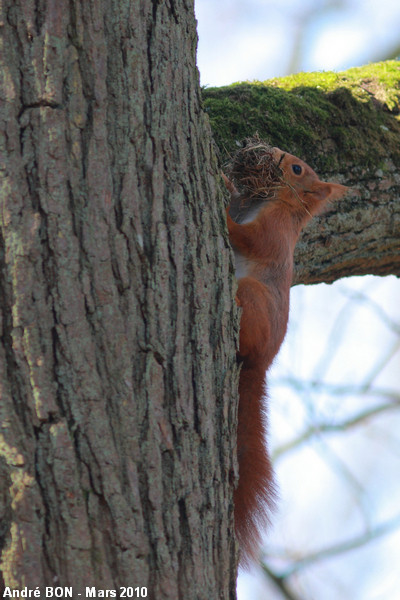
(346, 126)
(117, 359)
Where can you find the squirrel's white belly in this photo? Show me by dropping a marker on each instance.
(242, 265)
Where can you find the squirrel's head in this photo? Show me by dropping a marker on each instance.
(302, 186)
(260, 174)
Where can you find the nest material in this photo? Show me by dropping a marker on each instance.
(254, 171)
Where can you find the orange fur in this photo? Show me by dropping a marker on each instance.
(264, 259)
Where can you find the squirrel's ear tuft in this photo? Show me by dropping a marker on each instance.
(329, 191)
(338, 191)
(230, 187)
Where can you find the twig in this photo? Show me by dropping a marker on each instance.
(335, 389)
(333, 427)
(326, 553)
(280, 583)
(377, 308)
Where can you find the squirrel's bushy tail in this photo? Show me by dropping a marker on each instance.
(255, 495)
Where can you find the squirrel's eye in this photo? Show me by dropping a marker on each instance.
(297, 169)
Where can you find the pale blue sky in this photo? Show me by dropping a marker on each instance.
(255, 39)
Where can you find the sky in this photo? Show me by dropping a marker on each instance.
(261, 39)
(337, 486)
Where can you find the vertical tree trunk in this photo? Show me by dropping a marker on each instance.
(117, 363)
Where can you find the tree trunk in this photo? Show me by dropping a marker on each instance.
(117, 359)
(346, 126)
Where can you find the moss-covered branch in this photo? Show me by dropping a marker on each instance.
(346, 126)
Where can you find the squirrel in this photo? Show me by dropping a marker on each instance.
(278, 195)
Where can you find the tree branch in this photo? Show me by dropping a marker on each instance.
(346, 126)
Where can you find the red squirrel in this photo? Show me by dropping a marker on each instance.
(278, 194)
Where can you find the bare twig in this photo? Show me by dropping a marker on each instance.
(361, 297)
(280, 583)
(336, 549)
(320, 428)
(336, 389)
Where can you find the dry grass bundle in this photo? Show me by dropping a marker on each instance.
(254, 171)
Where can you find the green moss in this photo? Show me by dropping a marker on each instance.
(383, 76)
(327, 118)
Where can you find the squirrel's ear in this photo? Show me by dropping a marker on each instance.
(332, 191)
(230, 187)
(337, 191)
